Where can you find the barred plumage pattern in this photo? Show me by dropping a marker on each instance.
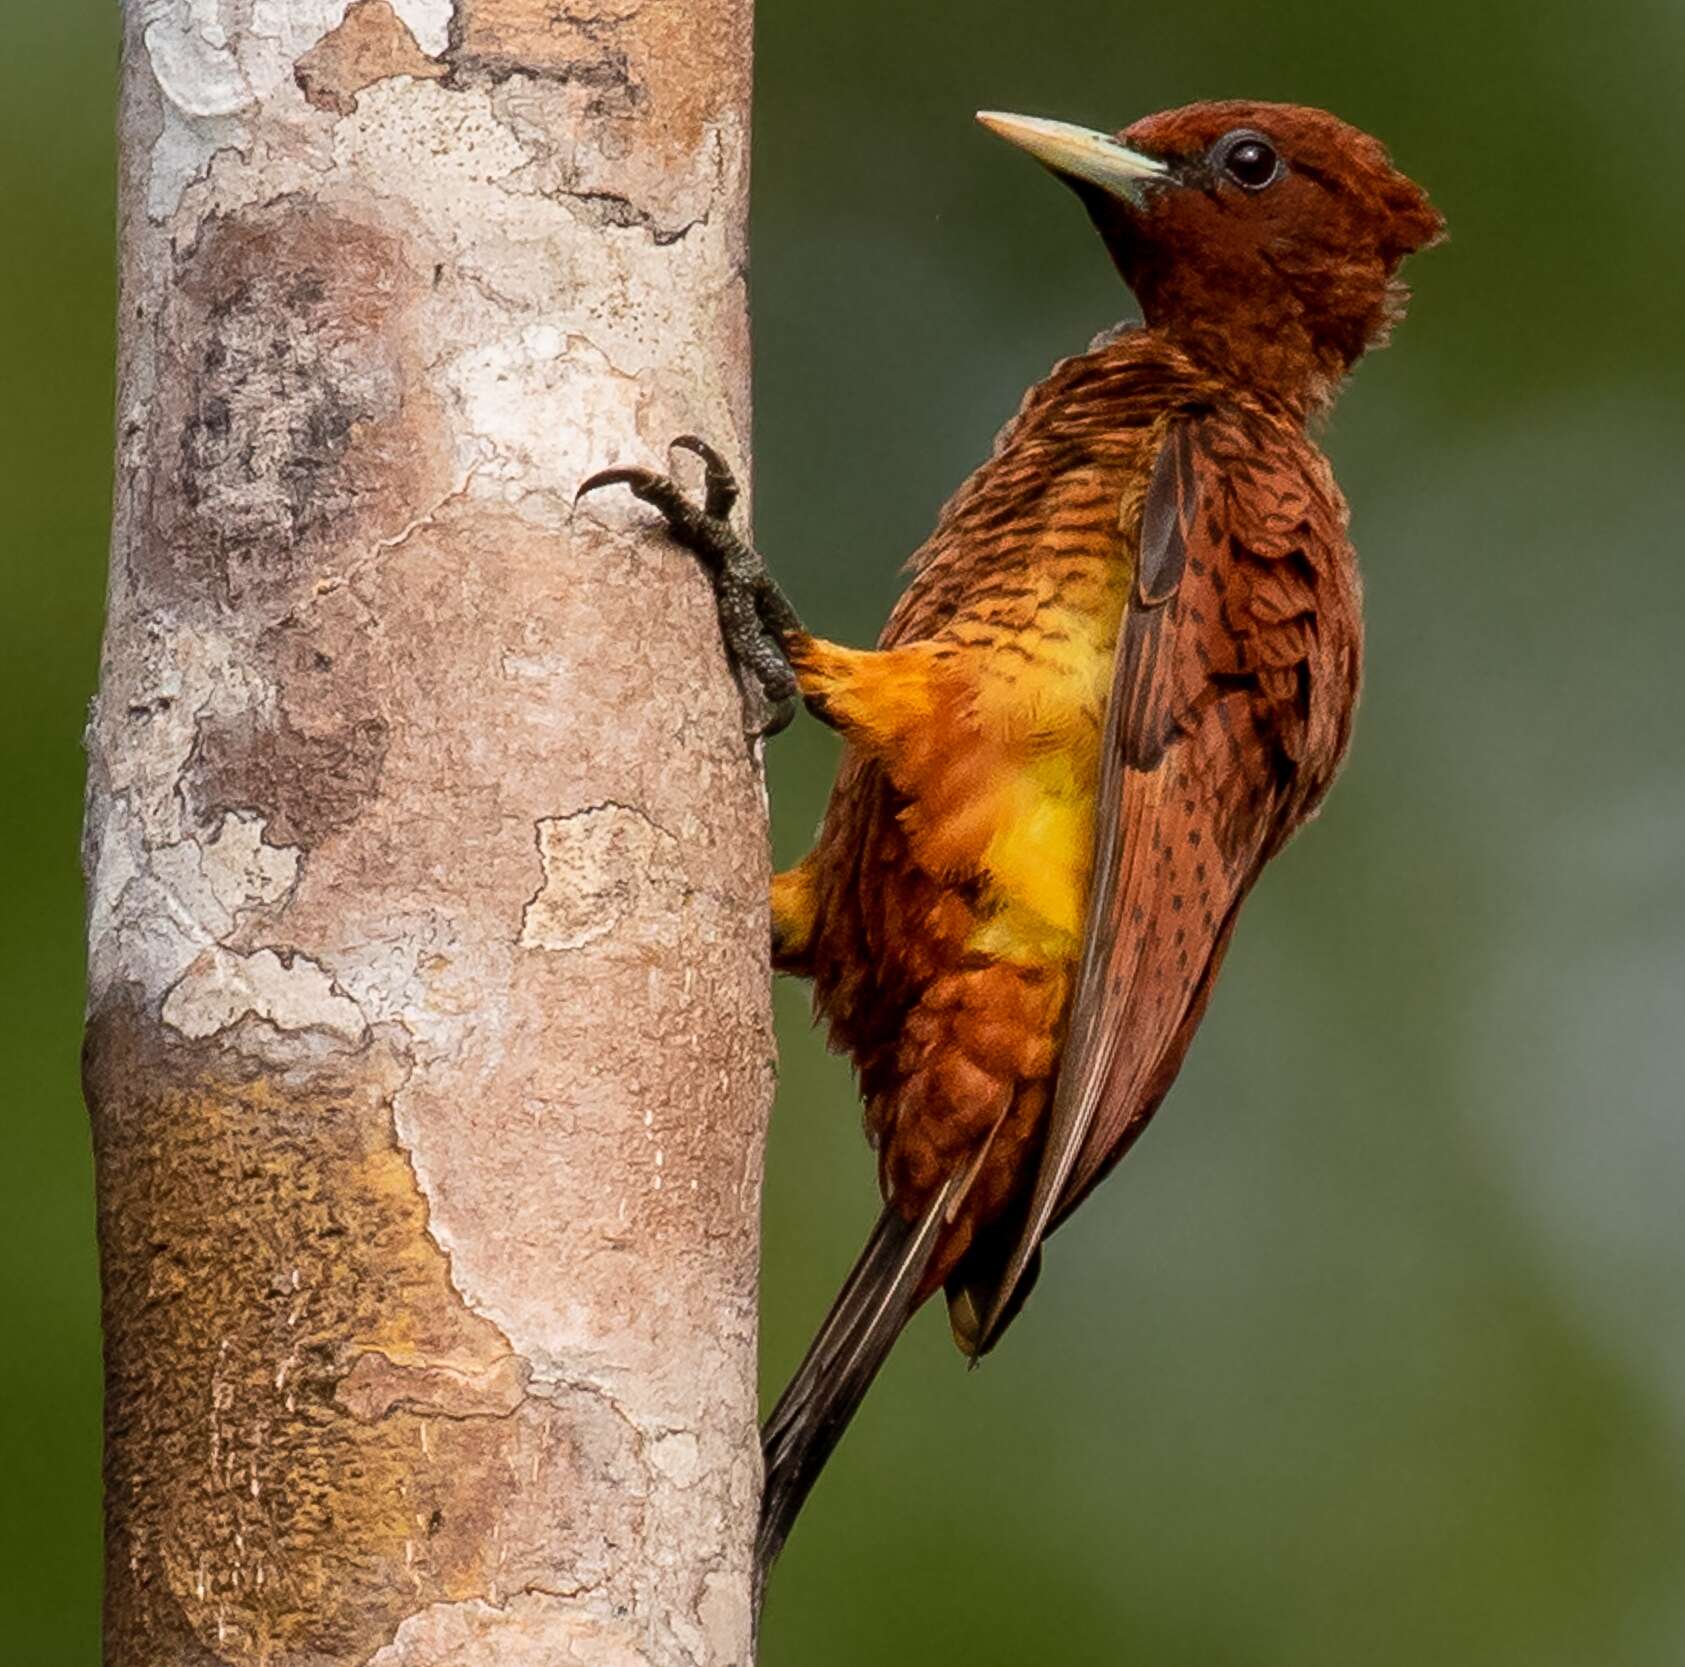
(945, 976)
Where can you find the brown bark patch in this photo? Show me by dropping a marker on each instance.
(284, 388)
(304, 785)
(311, 1435)
(309, 764)
(492, 40)
(371, 44)
(672, 64)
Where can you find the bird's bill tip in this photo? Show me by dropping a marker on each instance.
(1078, 152)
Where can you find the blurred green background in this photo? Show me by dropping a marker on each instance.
(1374, 1352)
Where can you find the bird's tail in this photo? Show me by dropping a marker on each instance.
(876, 1301)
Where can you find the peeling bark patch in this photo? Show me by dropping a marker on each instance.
(293, 432)
(263, 1243)
(429, 21)
(602, 867)
(371, 44)
(293, 993)
(494, 40)
(207, 65)
(152, 909)
(306, 785)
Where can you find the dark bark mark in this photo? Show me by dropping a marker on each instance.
(492, 41)
(609, 208)
(305, 785)
(294, 435)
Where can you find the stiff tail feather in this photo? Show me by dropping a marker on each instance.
(876, 1301)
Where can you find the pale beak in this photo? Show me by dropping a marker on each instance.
(1079, 153)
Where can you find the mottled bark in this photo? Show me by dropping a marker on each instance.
(428, 1045)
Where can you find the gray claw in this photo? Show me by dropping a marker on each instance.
(754, 615)
(719, 482)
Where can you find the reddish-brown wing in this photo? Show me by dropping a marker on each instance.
(1230, 708)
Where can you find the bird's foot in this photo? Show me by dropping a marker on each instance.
(756, 618)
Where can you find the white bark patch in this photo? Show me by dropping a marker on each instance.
(598, 328)
(728, 1622)
(213, 68)
(429, 21)
(221, 988)
(602, 868)
(183, 154)
(537, 410)
(155, 690)
(678, 1456)
(532, 1630)
(242, 871)
(188, 46)
(209, 62)
(154, 910)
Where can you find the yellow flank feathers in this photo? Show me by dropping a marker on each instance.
(1037, 863)
(991, 728)
(1048, 705)
(795, 906)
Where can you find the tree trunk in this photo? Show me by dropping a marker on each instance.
(428, 1045)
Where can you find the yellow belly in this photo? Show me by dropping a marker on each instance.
(992, 732)
(1040, 810)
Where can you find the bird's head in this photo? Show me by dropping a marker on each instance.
(1264, 238)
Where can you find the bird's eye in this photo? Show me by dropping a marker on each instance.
(1249, 159)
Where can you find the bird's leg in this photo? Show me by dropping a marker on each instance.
(756, 618)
